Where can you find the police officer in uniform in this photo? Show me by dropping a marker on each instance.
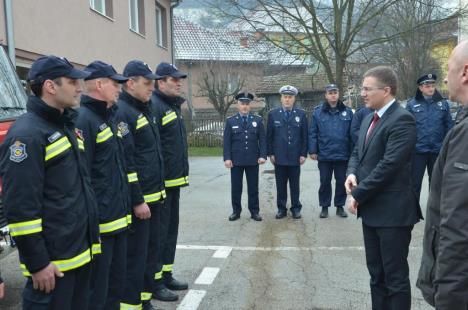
(433, 121)
(47, 196)
(166, 102)
(97, 126)
(140, 136)
(244, 149)
(330, 143)
(287, 149)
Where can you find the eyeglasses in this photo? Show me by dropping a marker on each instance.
(369, 89)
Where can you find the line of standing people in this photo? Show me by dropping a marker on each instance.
(92, 194)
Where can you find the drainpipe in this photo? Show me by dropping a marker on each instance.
(174, 4)
(9, 31)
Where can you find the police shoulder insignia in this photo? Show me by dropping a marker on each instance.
(18, 152)
(123, 128)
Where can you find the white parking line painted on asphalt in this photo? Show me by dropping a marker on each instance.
(192, 300)
(207, 276)
(222, 252)
(273, 249)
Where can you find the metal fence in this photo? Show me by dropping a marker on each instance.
(205, 131)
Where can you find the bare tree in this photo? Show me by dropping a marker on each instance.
(330, 32)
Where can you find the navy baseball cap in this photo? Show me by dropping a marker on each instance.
(99, 69)
(427, 79)
(331, 87)
(139, 68)
(166, 69)
(244, 97)
(51, 67)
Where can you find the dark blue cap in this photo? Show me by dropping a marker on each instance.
(427, 79)
(166, 69)
(139, 68)
(244, 97)
(99, 69)
(331, 87)
(52, 67)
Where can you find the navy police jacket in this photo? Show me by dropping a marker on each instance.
(106, 163)
(244, 143)
(287, 137)
(173, 138)
(330, 132)
(142, 146)
(433, 121)
(47, 195)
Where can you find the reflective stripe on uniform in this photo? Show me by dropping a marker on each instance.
(132, 177)
(158, 275)
(124, 306)
(145, 296)
(113, 226)
(155, 196)
(169, 118)
(66, 264)
(129, 219)
(104, 135)
(167, 268)
(176, 182)
(141, 122)
(56, 148)
(80, 144)
(25, 228)
(96, 249)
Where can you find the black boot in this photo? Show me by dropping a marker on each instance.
(148, 306)
(324, 213)
(234, 216)
(162, 293)
(172, 283)
(341, 212)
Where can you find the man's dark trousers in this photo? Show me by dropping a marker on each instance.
(283, 174)
(418, 168)
(154, 250)
(237, 175)
(109, 269)
(71, 292)
(169, 228)
(386, 258)
(327, 168)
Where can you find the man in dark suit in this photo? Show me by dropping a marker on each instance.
(244, 149)
(379, 184)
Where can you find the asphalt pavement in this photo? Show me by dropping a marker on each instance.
(309, 263)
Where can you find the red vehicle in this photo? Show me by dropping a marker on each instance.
(12, 103)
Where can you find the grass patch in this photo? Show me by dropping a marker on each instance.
(205, 151)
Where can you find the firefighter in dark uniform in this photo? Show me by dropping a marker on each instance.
(244, 149)
(47, 195)
(97, 125)
(433, 121)
(330, 144)
(165, 103)
(140, 137)
(287, 149)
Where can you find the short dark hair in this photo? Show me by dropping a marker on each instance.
(37, 88)
(385, 75)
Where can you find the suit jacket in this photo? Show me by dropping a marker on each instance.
(383, 170)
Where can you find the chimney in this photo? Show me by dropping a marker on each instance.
(244, 42)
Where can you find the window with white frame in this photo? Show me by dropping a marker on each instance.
(161, 25)
(137, 16)
(104, 7)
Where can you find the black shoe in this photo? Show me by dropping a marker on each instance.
(280, 214)
(148, 306)
(324, 213)
(296, 214)
(163, 294)
(235, 216)
(341, 212)
(256, 217)
(174, 284)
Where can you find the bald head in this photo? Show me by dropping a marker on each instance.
(457, 74)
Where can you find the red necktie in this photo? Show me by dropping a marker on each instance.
(375, 119)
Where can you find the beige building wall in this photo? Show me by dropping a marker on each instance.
(70, 28)
(463, 21)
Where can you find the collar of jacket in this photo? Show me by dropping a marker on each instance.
(340, 106)
(436, 97)
(174, 101)
(97, 106)
(38, 106)
(140, 105)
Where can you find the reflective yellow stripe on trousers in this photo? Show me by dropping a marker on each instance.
(155, 196)
(113, 226)
(124, 306)
(176, 182)
(132, 177)
(66, 264)
(25, 228)
(145, 296)
(167, 268)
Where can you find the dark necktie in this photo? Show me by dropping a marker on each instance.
(288, 114)
(375, 119)
(244, 121)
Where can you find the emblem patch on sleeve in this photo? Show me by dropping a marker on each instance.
(18, 152)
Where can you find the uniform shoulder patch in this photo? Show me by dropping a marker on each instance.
(123, 128)
(18, 152)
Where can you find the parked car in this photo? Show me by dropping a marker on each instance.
(12, 104)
